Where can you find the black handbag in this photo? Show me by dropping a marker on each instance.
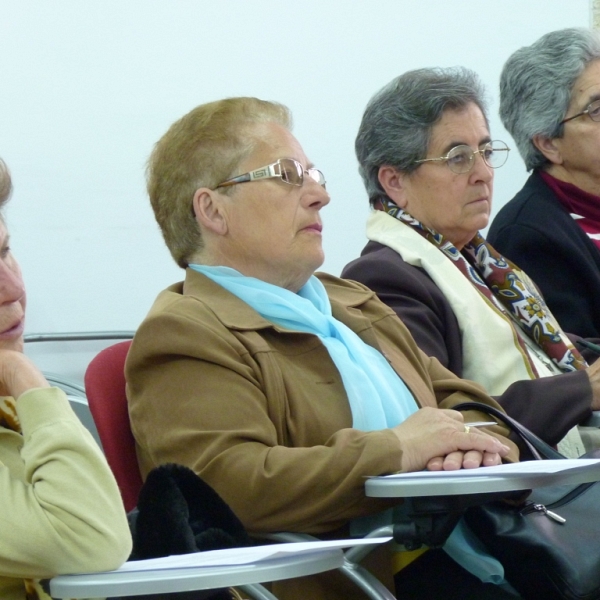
(548, 543)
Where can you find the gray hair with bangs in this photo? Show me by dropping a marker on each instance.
(397, 123)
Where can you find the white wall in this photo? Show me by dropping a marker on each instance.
(89, 85)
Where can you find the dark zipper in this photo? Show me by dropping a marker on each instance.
(533, 507)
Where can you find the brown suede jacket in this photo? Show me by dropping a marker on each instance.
(261, 413)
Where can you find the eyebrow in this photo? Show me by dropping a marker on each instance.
(309, 164)
(486, 140)
(591, 99)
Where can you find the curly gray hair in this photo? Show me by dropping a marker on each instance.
(536, 85)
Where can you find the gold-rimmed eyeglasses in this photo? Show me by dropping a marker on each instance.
(592, 111)
(462, 158)
(287, 169)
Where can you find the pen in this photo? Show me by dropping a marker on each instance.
(593, 347)
(481, 423)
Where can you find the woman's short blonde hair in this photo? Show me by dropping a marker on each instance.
(202, 149)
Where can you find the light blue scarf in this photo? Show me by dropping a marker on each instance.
(378, 397)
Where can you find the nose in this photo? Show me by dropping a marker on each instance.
(481, 171)
(315, 195)
(12, 288)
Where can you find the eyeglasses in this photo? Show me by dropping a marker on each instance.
(592, 110)
(462, 158)
(287, 169)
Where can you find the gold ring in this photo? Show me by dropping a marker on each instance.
(467, 429)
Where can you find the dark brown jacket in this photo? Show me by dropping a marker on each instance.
(549, 406)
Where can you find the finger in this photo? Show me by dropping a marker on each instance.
(435, 464)
(481, 441)
(491, 459)
(453, 461)
(472, 459)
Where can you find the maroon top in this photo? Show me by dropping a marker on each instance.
(585, 206)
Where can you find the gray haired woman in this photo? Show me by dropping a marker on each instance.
(550, 103)
(427, 161)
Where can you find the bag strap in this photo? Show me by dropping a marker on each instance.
(538, 448)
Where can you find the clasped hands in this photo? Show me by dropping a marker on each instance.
(437, 439)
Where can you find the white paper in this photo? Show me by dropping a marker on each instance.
(242, 556)
(530, 467)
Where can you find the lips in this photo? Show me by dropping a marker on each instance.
(314, 227)
(485, 195)
(484, 199)
(13, 330)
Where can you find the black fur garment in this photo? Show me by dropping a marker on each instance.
(179, 513)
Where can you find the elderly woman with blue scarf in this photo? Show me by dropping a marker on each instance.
(281, 389)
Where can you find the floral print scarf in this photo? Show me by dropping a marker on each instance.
(505, 286)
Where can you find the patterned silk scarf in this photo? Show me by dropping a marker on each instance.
(506, 287)
(10, 420)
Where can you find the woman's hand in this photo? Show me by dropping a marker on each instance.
(436, 439)
(18, 374)
(464, 460)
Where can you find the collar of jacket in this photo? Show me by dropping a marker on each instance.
(345, 297)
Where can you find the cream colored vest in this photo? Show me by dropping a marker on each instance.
(492, 355)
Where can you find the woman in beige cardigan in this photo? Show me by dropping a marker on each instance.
(61, 508)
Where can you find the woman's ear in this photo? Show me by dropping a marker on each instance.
(549, 147)
(393, 183)
(209, 210)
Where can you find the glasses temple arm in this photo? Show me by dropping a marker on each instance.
(432, 159)
(236, 180)
(264, 172)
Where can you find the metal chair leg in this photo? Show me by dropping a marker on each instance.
(366, 581)
(256, 591)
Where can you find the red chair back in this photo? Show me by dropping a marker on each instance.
(105, 391)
